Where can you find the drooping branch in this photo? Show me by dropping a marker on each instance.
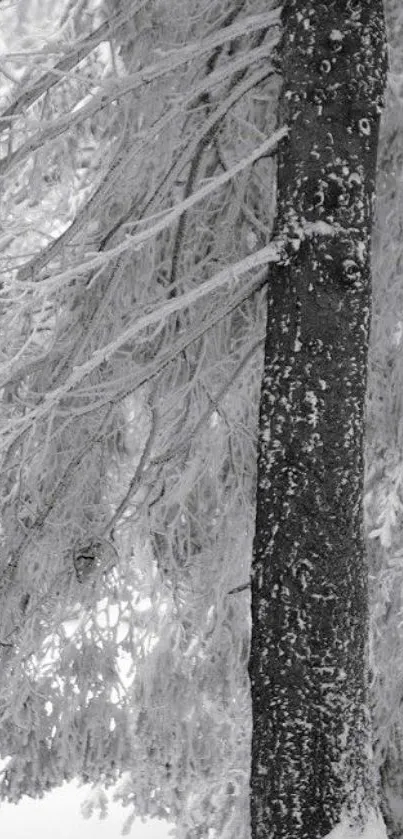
(170, 62)
(78, 52)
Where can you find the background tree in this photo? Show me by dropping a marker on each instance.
(383, 446)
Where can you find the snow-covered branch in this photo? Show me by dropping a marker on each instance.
(169, 63)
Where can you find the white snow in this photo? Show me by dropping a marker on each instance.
(336, 35)
(374, 829)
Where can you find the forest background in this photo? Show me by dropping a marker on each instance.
(138, 200)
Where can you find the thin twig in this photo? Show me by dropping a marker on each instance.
(58, 72)
(213, 406)
(113, 91)
(136, 479)
(239, 588)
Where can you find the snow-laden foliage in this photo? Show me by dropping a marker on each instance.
(137, 205)
(139, 198)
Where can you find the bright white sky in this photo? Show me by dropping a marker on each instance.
(58, 816)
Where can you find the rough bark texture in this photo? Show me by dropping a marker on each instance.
(309, 576)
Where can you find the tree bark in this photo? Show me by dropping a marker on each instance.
(308, 663)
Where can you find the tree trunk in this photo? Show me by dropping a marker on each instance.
(308, 665)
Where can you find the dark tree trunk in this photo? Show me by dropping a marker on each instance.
(309, 577)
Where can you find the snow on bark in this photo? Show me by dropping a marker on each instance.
(374, 828)
(309, 576)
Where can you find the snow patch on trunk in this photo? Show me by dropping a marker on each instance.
(374, 829)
